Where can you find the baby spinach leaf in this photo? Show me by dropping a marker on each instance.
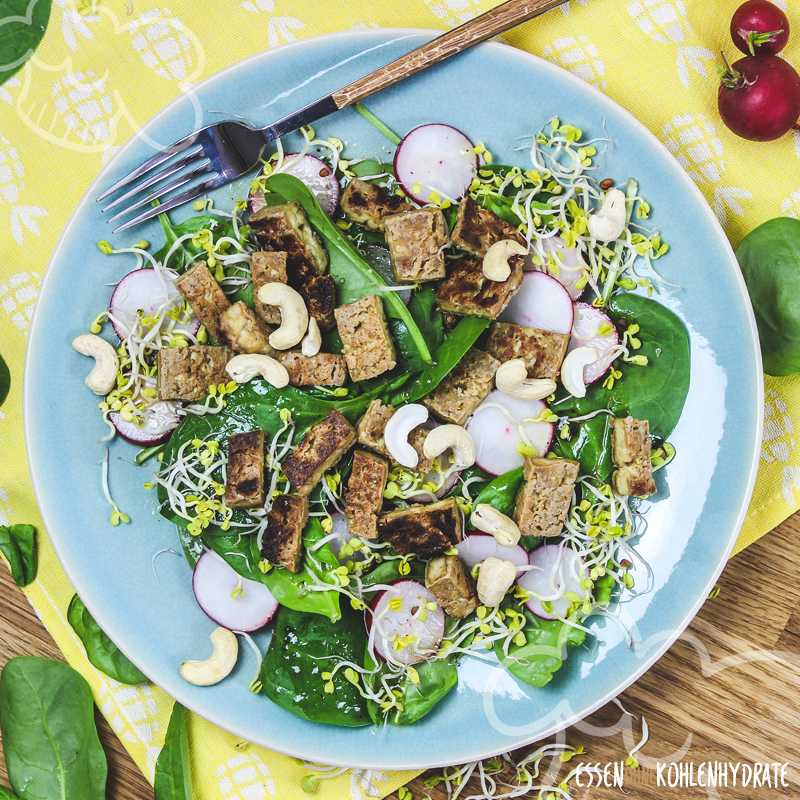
(436, 679)
(5, 380)
(303, 646)
(101, 651)
(186, 253)
(173, 777)
(7, 794)
(49, 737)
(389, 572)
(590, 444)
(18, 544)
(24, 24)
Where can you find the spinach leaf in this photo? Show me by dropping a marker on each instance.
(770, 260)
(5, 380)
(590, 444)
(389, 572)
(18, 544)
(303, 646)
(7, 794)
(24, 24)
(173, 778)
(186, 253)
(436, 679)
(49, 737)
(101, 651)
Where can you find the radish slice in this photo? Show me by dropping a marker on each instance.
(586, 333)
(380, 260)
(388, 625)
(229, 599)
(557, 570)
(340, 528)
(572, 263)
(477, 547)
(315, 174)
(434, 477)
(160, 415)
(435, 158)
(541, 302)
(495, 429)
(149, 291)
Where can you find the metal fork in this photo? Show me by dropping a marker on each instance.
(224, 151)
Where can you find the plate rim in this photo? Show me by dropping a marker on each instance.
(536, 61)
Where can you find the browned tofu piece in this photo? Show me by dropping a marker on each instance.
(465, 388)
(323, 369)
(243, 331)
(268, 268)
(415, 240)
(370, 430)
(417, 439)
(204, 295)
(543, 503)
(451, 584)
(283, 538)
(319, 292)
(424, 530)
(186, 373)
(468, 292)
(630, 449)
(364, 495)
(322, 446)
(244, 479)
(477, 229)
(363, 524)
(367, 204)
(368, 345)
(542, 351)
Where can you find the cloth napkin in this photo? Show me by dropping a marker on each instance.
(97, 77)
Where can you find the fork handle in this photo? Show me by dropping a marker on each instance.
(492, 22)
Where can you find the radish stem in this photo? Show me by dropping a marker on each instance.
(614, 266)
(384, 129)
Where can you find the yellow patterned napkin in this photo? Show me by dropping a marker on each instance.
(96, 78)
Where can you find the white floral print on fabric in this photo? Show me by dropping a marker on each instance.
(245, 777)
(454, 12)
(778, 443)
(12, 187)
(164, 44)
(580, 56)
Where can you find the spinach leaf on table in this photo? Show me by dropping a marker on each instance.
(18, 545)
(173, 777)
(7, 794)
(100, 650)
(24, 24)
(5, 380)
(49, 737)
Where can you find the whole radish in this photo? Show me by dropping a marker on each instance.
(759, 97)
(759, 28)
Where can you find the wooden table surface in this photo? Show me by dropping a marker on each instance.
(728, 689)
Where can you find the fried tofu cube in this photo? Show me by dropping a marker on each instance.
(187, 373)
(449, 581)
(283, 538)
(364, 495)
(244, 479)
(542, 351)
(319, 292)
(202, 292)
(367, 204)
(322, 446)
(423, 530)
(323, 369)
(368, 345)
(464, 389)
(630, 449)
(543, 503)
(363, 524)
(477, 229)
(415, 240)
(370, 430)
(268, 268)
(243, 331)
(468, 292)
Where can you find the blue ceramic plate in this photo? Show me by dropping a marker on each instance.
(493, 93)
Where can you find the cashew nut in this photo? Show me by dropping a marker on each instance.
(399, 426)
(494, 580)
(572, 369)
(294, 314)
(495, 262)
(312, 341)
(219, 666)
(245, 367)
(451, 436)
(103, 376)
(488, 519)
(512, 380)
(607, 224)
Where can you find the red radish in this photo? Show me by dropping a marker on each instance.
(415, 628)
(315, 174)
(572, 264)
(477, 547)
(434, 477)
(494, 427)
(541, 302)
(586, 332)
(759, 28)
(557, 570)
(380, 260)
(160, 415)
(435, 158)
(759, 97)
(146, 290)
(229, 599)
